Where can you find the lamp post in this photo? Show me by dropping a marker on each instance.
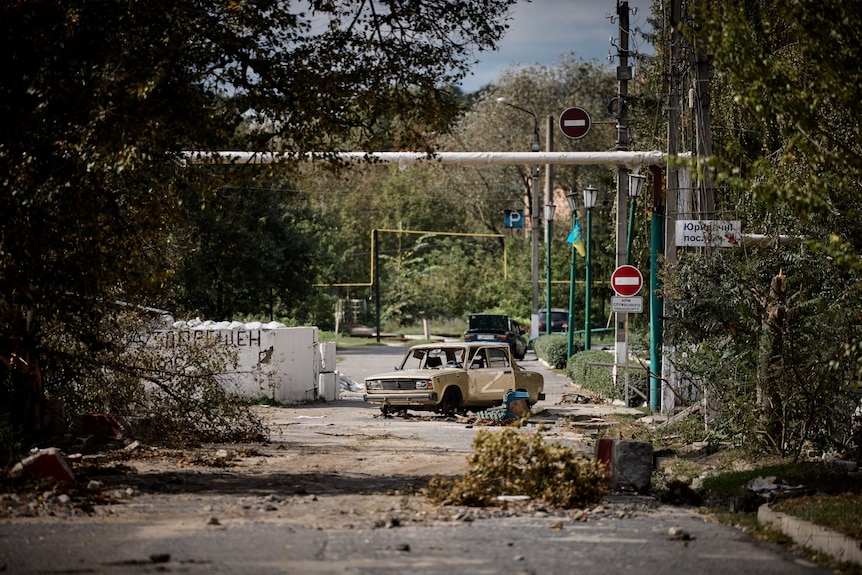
(534, 216)
(572, 200)
(549, 219)
(590, 194)
(636, 185)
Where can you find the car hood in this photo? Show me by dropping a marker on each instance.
(413, 373)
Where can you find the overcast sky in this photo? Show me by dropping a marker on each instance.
(540, 31)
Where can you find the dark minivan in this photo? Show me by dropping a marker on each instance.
(497, 327)
(559, 321)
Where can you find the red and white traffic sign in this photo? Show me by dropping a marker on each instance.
(627, 281)
(575, 123)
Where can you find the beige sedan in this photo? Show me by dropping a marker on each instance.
(452, 377)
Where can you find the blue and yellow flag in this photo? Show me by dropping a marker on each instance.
(577, 239)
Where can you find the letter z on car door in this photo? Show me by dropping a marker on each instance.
(490, 374)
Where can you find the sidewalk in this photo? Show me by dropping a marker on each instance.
(804, 533)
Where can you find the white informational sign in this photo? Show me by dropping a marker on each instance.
(627, 304)
(714, 233)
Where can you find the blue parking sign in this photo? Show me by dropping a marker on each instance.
(514, 218)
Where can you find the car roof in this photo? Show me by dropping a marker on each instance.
(469, 344)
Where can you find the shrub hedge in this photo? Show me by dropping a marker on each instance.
(600, 380)
(554, 349)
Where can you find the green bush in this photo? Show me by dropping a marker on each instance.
(554, 349)
(599, 378)
(513, 462)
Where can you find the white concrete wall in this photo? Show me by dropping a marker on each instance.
(276, 362)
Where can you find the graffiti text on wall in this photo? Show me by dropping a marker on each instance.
(238, 338)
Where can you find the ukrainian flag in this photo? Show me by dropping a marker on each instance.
(577, 239)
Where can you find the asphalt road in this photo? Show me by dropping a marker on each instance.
(518, 545)
(626, 534)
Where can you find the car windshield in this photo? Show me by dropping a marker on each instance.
(480, 322)
(433, 357)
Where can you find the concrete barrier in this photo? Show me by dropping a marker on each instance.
(630, 463)
(276, 362)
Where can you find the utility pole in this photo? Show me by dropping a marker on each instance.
(624, 74)
(668, 374)
(535, 218)
(702, 68)
(549, 199)
(549, 168)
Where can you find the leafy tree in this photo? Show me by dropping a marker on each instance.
(97, 97)
(766, 347)
(173, 391)
(769, 333)
(790, 69)
(483, 193)
(454, 275)
(245, 251)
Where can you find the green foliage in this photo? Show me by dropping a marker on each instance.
(439, 276)
(824, 478)
(98, 98)
(599, 379)
(512, 462)
(434, 276)
(790, 74)
(779, 370)
(179, 389)
(241, 250)
(554, 349)
(841, 513)
(772, 362)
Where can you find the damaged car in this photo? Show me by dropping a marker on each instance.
(452, 377)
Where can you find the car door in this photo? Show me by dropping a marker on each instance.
(490, 374)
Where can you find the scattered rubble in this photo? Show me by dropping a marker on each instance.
(47, 463)
(772, 488)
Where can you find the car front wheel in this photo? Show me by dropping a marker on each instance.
(451, 401)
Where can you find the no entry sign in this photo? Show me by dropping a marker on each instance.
(627, 280)
(575, 123)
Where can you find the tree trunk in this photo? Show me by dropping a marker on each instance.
(25, 401)
(771, 350)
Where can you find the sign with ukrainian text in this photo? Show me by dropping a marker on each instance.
(712, 233)
(633, 304)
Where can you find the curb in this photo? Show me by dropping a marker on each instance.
(804, 533)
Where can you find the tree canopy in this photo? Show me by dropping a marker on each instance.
(96, 97)
(771, 330)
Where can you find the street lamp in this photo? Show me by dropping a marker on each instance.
(589, 203)
(572, 200)
(534, 215)
(636, 185)
(549, 219)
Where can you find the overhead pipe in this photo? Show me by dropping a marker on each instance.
(630, 160)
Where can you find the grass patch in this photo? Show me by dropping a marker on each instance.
(813, 475)
(345, 340)
(841, 513)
